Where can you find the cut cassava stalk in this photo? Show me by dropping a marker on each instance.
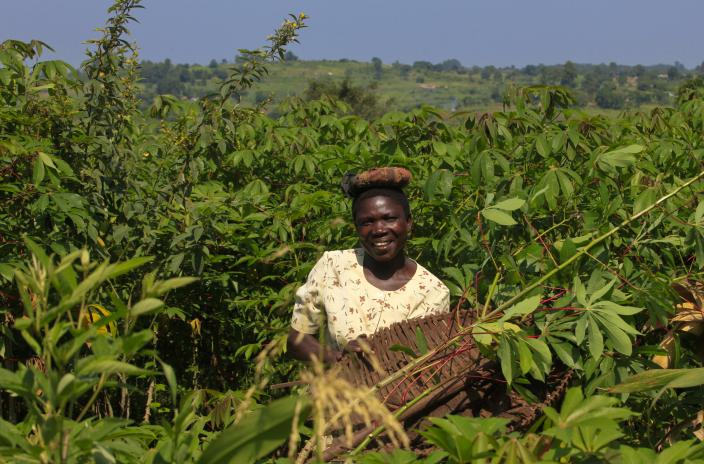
(408, 369)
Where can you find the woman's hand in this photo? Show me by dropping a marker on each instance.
(305, 346)
(332, 356)
(358, 345)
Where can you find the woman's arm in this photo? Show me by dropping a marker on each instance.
(304, 346)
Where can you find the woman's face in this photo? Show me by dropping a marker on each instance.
(382, 226)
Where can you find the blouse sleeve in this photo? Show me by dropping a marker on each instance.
(309, 309)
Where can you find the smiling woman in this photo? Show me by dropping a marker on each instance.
(353, 293)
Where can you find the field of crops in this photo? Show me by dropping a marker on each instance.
(148, 262)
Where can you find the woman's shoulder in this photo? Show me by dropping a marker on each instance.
(337, 255)
(341, 258)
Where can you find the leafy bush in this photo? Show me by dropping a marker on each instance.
(564, 231)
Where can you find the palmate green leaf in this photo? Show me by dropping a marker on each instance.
(616, 308)
(257, 435)
(540, 348)
(553, 191)
(507, 359)
(618, 338)
(565, 184)
(465, 439)
(498, 216)
(540, 359)
(515, 452)
(525, 359)
(594, 338)
(591, 439)
(446, 436)
(564, 351)
(614, 320)
(543, 146)
(536, 195)
(579, 291)
(578, 411)
(619, 158)
(46, 159)
(597, 294)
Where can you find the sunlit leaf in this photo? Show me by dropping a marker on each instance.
(498, 217)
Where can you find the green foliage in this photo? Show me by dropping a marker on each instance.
(74, 364)
(362, 101)
(259, 434)
(584, 430)
(116, 205)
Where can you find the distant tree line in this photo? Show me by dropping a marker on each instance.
(609, 85)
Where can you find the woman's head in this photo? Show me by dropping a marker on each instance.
(394, 194)
(382, 217)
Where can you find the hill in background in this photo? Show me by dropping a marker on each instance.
(375, 87)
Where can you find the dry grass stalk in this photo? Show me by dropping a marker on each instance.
(339, 407)
(370, 356)
(295, 437)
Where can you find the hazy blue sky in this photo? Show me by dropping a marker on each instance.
(498, 32)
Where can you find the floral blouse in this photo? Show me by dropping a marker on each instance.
(338, 296)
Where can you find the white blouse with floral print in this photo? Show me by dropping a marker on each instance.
(337, 295)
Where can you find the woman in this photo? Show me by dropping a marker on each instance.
(352, 293)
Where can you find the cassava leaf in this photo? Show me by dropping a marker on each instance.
(498, 217)
(258, 434)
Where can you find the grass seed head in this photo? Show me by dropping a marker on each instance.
(340, 407)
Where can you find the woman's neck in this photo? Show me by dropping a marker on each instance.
(385, 270)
